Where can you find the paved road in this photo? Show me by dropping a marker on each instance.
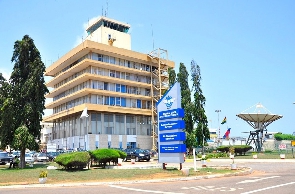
(268, 176)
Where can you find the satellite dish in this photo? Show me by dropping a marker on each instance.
(259, 119)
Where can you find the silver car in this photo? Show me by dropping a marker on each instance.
(41, 157)
(29, 158)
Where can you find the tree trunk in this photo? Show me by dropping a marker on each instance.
(190, 151)
(22, 158)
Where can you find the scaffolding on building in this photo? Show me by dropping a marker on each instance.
(159, 85)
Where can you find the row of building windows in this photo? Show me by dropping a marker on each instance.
(99, 123)
(111, 60)
(107, 72)
(93, 84)
(104, 100)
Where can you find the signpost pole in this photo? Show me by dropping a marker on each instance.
(195, 163)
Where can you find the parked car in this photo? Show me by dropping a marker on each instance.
(5, 158)
(41, 157)
(15, 153)
(52, 155)
(137, 154)
(153, 153)
(29, 158)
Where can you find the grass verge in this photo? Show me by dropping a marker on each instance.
(31, 175)
(262, 155)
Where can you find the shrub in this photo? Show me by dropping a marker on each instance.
(223, 148)
(213, 155)
(220, 155)
(103, 156)
(71, 160)
(280, 137)
(43, 174)
(122, 154)
(240, 149)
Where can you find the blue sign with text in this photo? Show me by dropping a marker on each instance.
(168, 125)
(178, 148)
(177, 136)
(171, 114)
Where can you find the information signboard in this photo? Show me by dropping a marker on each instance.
(171, 126)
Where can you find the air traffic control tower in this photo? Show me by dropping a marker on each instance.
(111, 32)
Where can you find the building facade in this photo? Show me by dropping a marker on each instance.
(118, 86)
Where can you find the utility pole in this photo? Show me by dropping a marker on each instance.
(218, 141)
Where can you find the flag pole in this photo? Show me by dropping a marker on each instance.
(218, 140)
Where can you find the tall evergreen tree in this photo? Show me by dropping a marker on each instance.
(186, 104)
(172, 76)
(198, 111)
(28, 90)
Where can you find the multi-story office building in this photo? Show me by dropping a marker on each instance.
(118, 86)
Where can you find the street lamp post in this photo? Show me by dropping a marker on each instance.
(218, 111)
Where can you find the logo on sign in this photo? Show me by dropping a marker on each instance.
(168, 101)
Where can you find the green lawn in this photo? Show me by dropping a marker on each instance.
(263, 155)
(31, 175)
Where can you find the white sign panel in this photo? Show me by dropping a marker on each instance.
(51, 147)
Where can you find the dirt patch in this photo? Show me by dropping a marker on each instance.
(157, 176)
(256, 173)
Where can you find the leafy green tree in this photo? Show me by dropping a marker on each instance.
(186, 104)
(198, 110)
(24, 139)
(28, 89)
(2, 79)
(6, 113)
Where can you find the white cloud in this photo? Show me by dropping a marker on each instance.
(84, 34)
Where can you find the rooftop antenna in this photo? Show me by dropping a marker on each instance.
(107, 9)
(153, 36)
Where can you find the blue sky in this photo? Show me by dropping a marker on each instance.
(245, 49)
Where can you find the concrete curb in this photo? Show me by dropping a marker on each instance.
(243, 172)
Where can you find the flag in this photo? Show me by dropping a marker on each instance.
(84, 113)
(224, 121)
(226, 135)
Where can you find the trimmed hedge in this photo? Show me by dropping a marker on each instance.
(104, 156)
(280, 137)
(78, 160)
(239, 149)
(213, 155)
